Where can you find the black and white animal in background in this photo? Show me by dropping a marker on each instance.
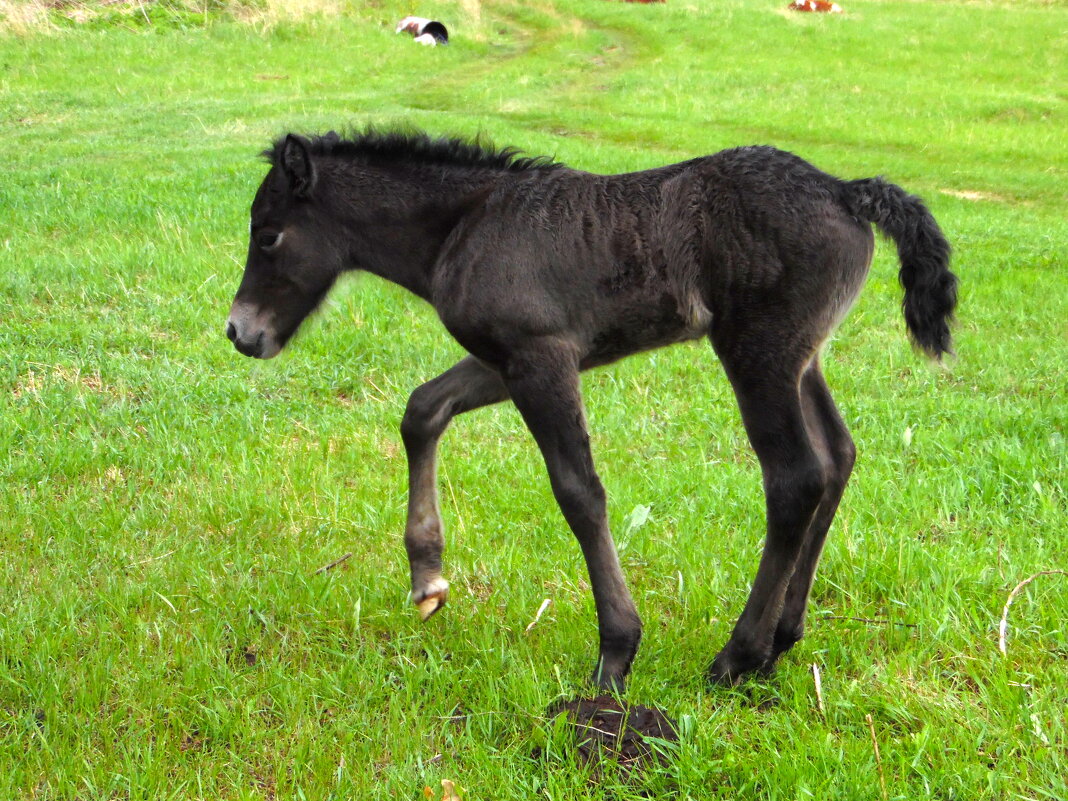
(541, 271)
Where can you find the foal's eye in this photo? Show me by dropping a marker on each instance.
(268, 240)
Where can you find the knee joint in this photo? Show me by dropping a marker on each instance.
(421, 419)
(847, 457)
(798, 489)
(812, 481)
(809, 480)
(839, 466)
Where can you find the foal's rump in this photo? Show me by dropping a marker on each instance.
(792, 244)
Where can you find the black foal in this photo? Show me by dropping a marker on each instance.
(541, 271)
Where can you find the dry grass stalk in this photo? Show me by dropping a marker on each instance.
(537, 617)
(333, 564)
(878, 759)
(819, 689)
(1003, 628)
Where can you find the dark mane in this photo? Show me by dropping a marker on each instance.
(417, 146)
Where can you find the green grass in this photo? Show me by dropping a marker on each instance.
(166, 503)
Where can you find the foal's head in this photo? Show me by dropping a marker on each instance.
(294, 255)
(313, 218)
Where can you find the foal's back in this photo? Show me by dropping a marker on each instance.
(622, 263)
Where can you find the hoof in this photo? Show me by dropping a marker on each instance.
(772, 662)
(429, 605)
(610, 674)
(610, 683)
(431, 598)
(722, 674)
(616, 655)
(728, 669)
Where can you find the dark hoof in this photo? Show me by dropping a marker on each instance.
(728, 668)
(614, 665)
(609, 682)
(769, 667)
(778, 648)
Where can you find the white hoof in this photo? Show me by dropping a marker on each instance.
(431, 598)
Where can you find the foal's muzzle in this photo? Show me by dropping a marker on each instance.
(253, 348)
(250, 333)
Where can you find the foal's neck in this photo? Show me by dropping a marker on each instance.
(416, 210)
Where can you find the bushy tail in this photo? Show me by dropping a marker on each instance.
(930, 288)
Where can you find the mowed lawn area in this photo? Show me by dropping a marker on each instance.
(166, 504)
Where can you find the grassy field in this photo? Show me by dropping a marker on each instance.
(166, 503)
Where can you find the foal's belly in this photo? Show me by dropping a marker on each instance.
(639, 326)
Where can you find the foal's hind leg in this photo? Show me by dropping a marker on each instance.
(835, 448)
(794, 482)
(468, 385)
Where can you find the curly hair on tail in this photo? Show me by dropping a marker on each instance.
(930, 287)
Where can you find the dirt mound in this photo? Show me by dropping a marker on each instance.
(606, 729)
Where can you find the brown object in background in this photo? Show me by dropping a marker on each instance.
(815, 5)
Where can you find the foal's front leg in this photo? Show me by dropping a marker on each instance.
(544, 384)
(466, 386)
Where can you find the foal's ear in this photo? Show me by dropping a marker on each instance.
(297, 165)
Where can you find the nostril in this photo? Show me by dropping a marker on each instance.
(231, 332)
